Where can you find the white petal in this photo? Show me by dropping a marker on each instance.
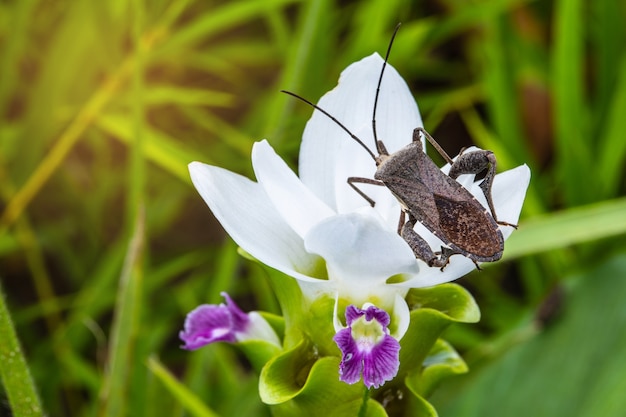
(328, 156)
(337, 324)
(401, 316)
(259, 329)
(508, 193)
(297, 205)
(361, 254)
(247, 215)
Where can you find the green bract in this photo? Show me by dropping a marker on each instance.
(303, 379)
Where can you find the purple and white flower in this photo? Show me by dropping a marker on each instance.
(367, 348)
(210, 323)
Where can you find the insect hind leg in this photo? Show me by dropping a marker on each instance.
(474, 163)
(422, 250)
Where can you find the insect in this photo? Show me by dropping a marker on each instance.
(429, 196)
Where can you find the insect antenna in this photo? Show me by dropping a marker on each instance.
(316, 107)
(380, 80)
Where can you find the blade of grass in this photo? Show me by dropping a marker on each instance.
(468, 16)
(570, 116)
(299, 57)
(124, 330)
(61, 148)
(187, 399)
(160, 148)
(499, 83)
(118, 382)
(569, 227)
(219, 19)
(16, 378)
(159, 95)
(613, 152)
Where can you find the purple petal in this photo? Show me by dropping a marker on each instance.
(375, 313)
(351, 359)
(352, 313)
(382, 363)
(239, 319)
(211, 323)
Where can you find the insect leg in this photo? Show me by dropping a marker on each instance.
(446, 253)
(361, 180)
(421, 249)
(401, 221)
(421, 131)
(473, 163)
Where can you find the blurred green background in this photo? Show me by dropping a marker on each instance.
(105, 245)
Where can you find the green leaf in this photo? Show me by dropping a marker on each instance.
(574, 367)
(258, 352)
(442, 362)
(454, 302)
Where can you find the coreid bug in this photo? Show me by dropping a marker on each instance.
(434, 199)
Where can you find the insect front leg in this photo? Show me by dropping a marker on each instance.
(474, 163)
(361, 180)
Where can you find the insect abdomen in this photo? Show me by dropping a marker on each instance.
(469, 228)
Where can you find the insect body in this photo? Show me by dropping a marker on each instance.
(434, 199)
(441, 204)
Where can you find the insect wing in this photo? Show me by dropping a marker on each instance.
(469, 226)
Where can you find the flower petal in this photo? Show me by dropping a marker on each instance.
(248, 216)
(328, 156)
(297, 205)
(401, 317)
(361, 253)
(351, 359)
(208, 324)
(382, 363)
(259, 329)
(508, 193)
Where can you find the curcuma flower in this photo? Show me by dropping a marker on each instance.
(316, 229)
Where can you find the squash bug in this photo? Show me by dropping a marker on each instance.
(429, 196)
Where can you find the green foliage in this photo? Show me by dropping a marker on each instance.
(104, 244)
(573, 366)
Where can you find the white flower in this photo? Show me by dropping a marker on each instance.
(314, 227)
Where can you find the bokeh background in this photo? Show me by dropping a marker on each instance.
(105, 245)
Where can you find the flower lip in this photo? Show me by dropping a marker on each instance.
(367, 348)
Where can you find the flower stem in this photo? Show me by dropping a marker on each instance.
(366, 397)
